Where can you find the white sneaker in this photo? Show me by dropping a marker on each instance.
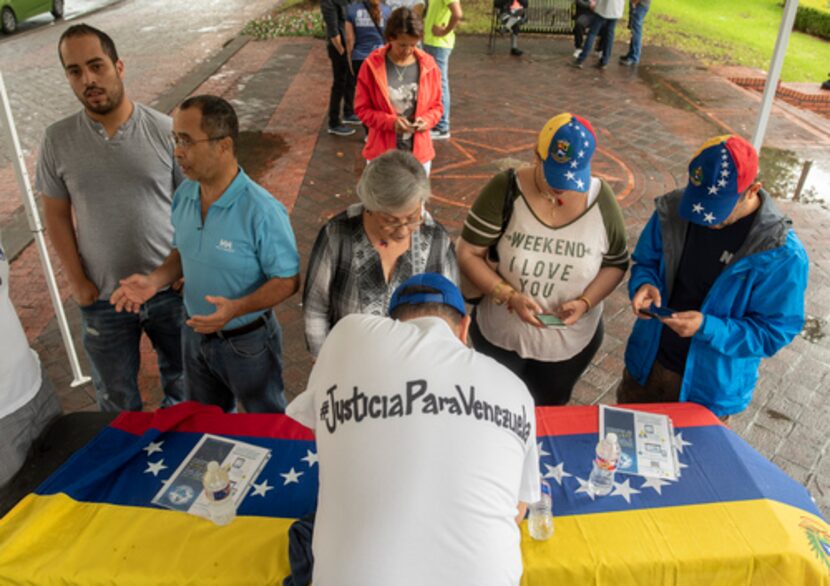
(577, 53)
(439, 134)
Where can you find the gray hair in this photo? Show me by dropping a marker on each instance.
(394, 182)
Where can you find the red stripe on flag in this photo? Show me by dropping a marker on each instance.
(585, 419)
(196, 418)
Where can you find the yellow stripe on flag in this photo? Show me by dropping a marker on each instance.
(57, 540)
(743, 543)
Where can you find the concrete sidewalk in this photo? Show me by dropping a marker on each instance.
(649, 123)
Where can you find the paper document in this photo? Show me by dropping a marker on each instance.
(184, 490)
(646, 441)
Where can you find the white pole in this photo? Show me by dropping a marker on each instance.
(37, 229)
(774, 72)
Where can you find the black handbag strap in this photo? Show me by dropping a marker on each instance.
(510, 196)
(377, 26)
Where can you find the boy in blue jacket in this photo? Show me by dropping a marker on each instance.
(729, 273)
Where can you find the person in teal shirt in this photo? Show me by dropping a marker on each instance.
(441, 20)
(234, 246)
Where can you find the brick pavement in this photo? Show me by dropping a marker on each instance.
(649, 123)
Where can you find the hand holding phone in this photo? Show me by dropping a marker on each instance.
(658, 312)
(551, 321)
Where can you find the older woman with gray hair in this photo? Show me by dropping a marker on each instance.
(363, 254)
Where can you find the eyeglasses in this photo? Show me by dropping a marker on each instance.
(392, 223)
(185, 142)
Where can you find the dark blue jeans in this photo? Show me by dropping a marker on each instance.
(600, 24)
(112, 339)
(637, 16)
(246, 368)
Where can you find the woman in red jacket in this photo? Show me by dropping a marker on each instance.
(398, 93)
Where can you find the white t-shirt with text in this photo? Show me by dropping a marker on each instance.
(425, 450)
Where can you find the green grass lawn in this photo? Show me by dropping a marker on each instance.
(729, 32)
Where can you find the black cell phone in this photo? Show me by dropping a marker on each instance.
(550, 321)
(658, 312)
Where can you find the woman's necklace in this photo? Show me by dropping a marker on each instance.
(554, 201)
(399, 73)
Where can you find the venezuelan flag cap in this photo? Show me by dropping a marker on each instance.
(723, 169)
(566, 145)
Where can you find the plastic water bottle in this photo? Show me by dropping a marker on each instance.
(601, 480)
(218, 491)
(540, 516)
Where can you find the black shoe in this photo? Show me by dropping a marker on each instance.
(627, 62)
(516, 52)
(624, 58)
(576, 64)
(601, 65)
(352, 120)
(341, 130)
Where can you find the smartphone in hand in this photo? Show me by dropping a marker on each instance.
(658, 312)
(550, 321)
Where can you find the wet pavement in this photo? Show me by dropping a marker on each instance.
(649, 123)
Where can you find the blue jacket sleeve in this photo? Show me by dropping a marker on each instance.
(775, 316)
(647, 257)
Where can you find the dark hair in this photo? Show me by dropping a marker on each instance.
(404, 21)
(407, 311)
(374, 11)
(83, 30)
(218, 117)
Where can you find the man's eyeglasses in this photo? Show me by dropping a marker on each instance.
(185, 142)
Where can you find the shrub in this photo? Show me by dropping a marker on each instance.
(293, 24)
(813, 22)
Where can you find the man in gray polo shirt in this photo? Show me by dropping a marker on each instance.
(112, 163)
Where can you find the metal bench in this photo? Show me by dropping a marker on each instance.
(543, 16)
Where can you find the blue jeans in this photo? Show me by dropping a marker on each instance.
(637, 16)
(598, 24)
(442, 58)
(248, 368)
(112, 340)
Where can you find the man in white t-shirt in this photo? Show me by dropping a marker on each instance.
(427, 449)
(27, 398)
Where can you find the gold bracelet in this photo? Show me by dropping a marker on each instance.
(496, 292)
(587, 302)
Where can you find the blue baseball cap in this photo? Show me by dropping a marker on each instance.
(566, 145)
(445, 292)
(721, 170)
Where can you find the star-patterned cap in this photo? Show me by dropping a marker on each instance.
(436, 289)
(566, 145)
(723, 168)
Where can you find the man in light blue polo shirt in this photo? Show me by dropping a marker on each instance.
(234, 245)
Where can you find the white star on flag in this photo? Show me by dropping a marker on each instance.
(542, 452)
(587, 144)
(580, 184)
(570, 176)
(583, 487)
(153, 447)
(724, 173)
(580, 154)
(556, 472)
(310, 458)
(574, 164)
(724, 156)
(713, 190)
(709, 218)
(291, 476)
(261, 488)
(582, 133)
(679, 442)
(722, 183)
(656, 483)
(624, 490)
(725, 164)
(697, 208)
(155, 468)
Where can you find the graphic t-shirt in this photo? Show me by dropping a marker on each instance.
(550, 264)
(425, 449)
(403, 93)
(706, 253)
(367, 35)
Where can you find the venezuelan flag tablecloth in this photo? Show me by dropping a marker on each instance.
(732, 518)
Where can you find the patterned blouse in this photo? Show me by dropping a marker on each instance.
(345, 274)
